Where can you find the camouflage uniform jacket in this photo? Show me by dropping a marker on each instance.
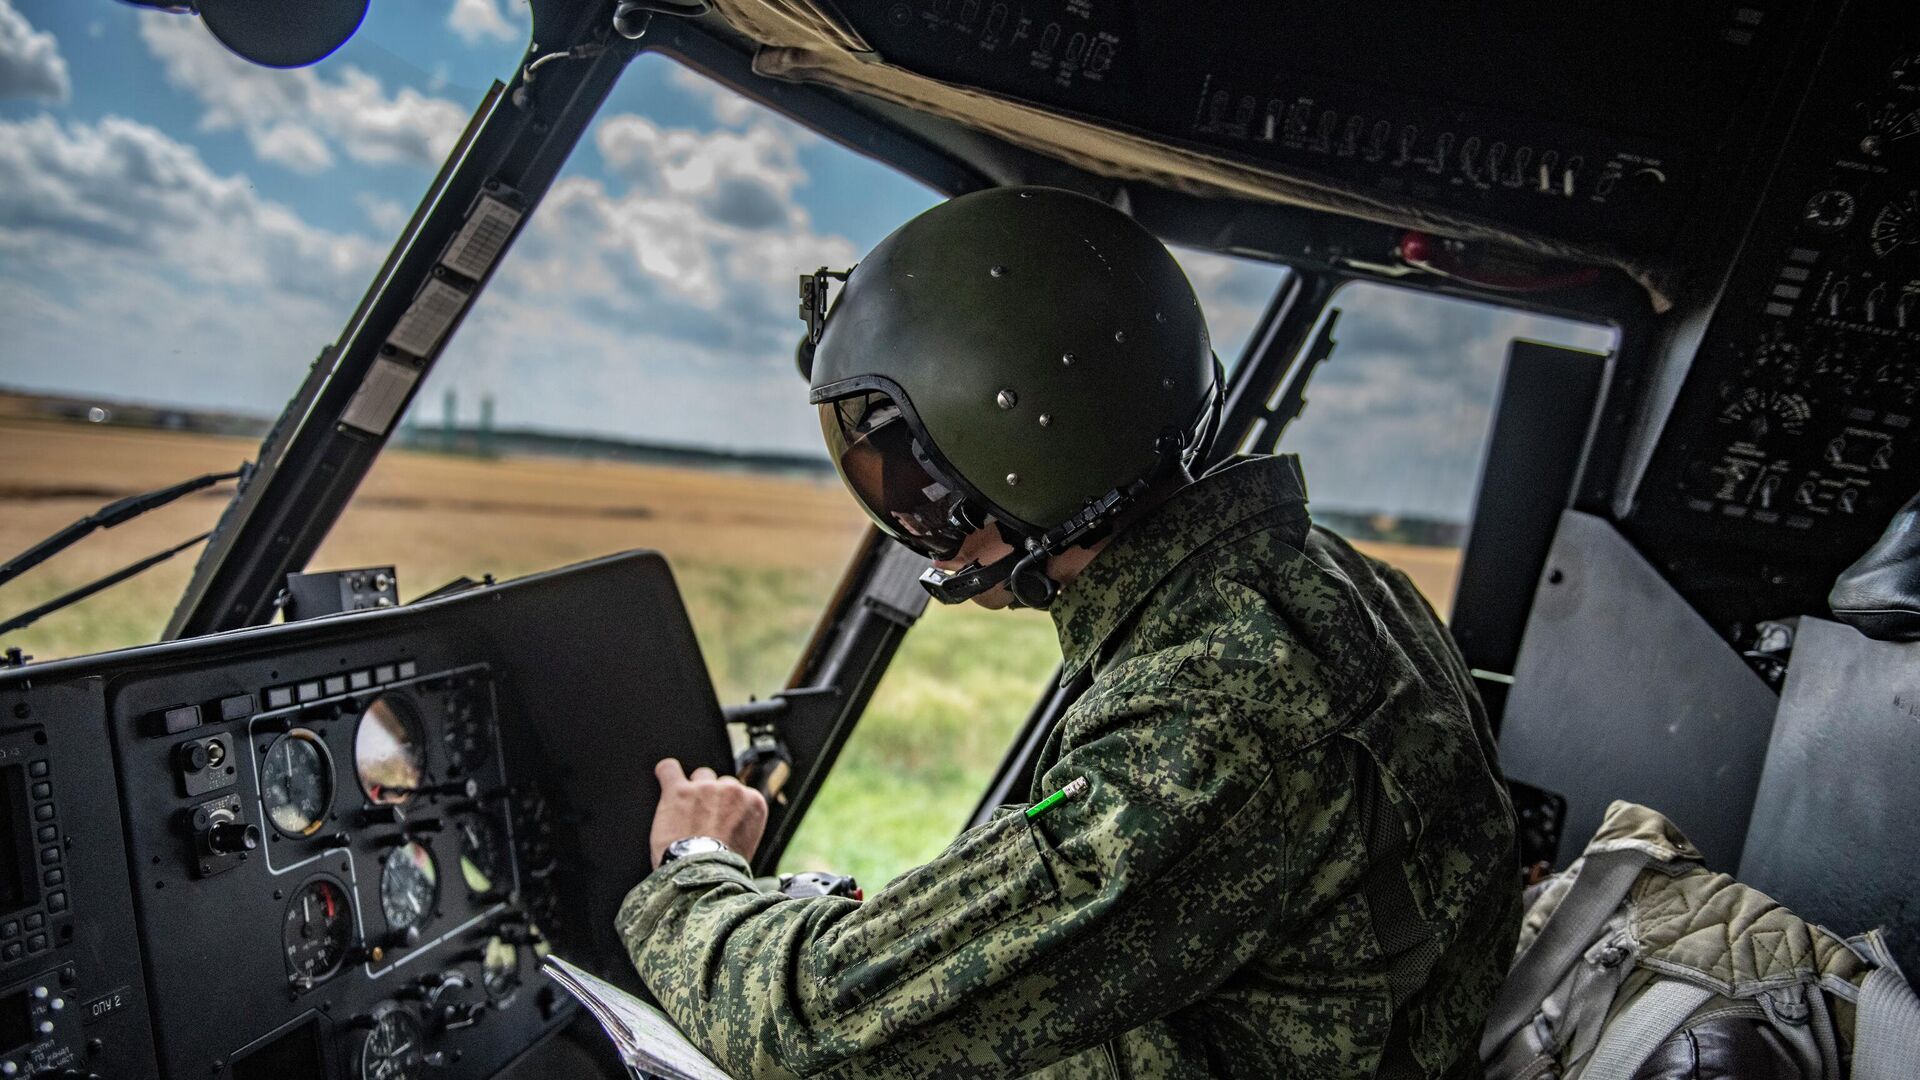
(1295, 857)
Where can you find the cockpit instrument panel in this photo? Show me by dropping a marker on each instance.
(342, 846)
(1794, 435)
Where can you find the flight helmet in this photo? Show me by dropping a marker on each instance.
(1023, 355)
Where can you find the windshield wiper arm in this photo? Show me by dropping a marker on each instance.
(114, 513)
(28, 618)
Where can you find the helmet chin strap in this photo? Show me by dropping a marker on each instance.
(1025, 568)
(962, 585)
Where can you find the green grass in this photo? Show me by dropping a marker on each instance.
(939, 723)
(752, 622)
(920, 759)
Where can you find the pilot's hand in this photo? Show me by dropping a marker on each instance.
(704, 804)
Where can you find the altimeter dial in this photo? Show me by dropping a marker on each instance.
(318, 931)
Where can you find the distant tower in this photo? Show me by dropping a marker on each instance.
(486, 425)
(447, 411)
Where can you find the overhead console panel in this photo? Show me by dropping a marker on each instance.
(1586, 122)
(1589, 127)
(340, 847)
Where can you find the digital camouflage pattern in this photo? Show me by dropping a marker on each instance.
(1295, 857)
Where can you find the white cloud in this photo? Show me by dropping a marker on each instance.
(741, 178)
(30, 62)
(651, 305)
(299, 118)
(128, 267)
(725, 103)
(292, 144)
(656, 302)
(1233, 294)
(1396, 419)
(385, 215)
(478, 20)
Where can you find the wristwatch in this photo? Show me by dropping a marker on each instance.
(692, 845)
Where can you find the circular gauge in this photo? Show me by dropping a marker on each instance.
(1829, 211)
(465, 735)
(1896, 226)
(296, 782)
(500, 971)
(318, 931)
(388, 752)
(392, 1050)
(483, 856)
(1761, 412)
(409, 885)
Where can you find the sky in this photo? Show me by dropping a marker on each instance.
(178, 226)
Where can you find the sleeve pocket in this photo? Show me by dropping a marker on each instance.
(982, 881)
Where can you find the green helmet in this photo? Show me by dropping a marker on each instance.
(1026, 354)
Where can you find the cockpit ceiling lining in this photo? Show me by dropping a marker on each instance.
(800, 42)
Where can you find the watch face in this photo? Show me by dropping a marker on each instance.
(694, 845)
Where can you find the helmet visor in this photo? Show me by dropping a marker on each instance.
(888, 472)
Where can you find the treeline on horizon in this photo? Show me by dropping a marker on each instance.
(487, 442)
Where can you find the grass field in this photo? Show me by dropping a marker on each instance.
(755, 556)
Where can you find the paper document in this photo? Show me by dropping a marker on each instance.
(647, 1041)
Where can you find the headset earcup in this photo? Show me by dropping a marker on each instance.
(1030, 584)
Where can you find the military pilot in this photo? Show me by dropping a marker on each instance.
(1292, 854)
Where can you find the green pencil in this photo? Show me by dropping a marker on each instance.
(1072, 791)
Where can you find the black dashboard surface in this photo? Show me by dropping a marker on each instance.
(339, 848)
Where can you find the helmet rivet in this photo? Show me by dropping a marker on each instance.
(998, 271)
(1046, 419)
(1013, 479)
(1007, 399)
(1160, 316)
(1166, 384)
(1119, 337)
(1066, 359)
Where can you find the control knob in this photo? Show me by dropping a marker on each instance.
(452, 1002)
(194, 757)
(381, 814)
(514, 928)
(468, 788)
(231, 837)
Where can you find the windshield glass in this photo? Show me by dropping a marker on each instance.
(1393, 433)
(180, 234)
(627, 380)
